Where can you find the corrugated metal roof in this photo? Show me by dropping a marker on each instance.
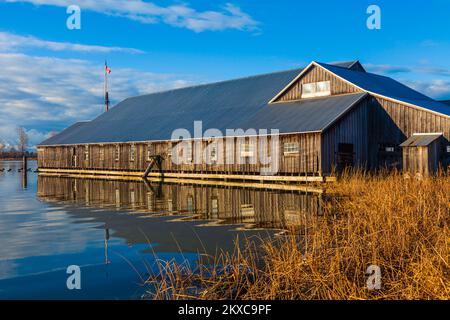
(240, 103)
(420, 140)
(303, 115)
(154, 116)
(69, 133)
(388, 87)
(234, 104)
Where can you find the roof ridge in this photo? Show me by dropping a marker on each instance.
(317, 98)
(336, 63)
(412, 100)
(240, 78)
(380, 76)
(218, 82)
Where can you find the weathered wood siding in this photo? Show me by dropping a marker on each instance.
(103, 156)
(316, 74)
(424, 160)
(393, 123)
(376, 123)
(351, 128)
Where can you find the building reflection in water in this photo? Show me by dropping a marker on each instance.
(253, 208)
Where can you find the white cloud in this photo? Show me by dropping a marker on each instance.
(437, 89)
(433, 81)
(178, 15)
(8, 136)
(386, 68)
(44, 94)
(13, 42)
(393, 69)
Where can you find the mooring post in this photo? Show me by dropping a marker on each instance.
(24, 171)
(149, 167)
(24, 163)
(154, 160)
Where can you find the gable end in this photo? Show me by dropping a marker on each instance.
(314, 73)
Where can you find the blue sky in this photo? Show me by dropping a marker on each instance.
(51, 76)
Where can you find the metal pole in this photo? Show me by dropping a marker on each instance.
(106, 88)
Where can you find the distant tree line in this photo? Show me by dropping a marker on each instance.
(17, 152)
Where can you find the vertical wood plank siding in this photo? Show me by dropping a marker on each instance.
(423, 160)
(316, 74)
(393, 123)
(352, 128)
(306, 162)
(374, 123)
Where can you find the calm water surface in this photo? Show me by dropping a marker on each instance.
(114, 230)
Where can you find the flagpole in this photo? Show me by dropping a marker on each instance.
(106, 88)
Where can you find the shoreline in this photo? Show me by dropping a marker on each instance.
(17, 159)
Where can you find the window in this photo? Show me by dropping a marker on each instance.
(183, 151)
(246, 150)
(214, 206)
(387, 148)
(188, 157)
(345, 156)
(132, 152)
(86, 153)
(117, 198)
(247, 210)
(316, 89)
(323, 88)
(345, 148)
(213, 152)
(308, 90)
(102, 153)
(291, 148)
(190, 204)
(132, 198)
(117, 153)
(74, 157)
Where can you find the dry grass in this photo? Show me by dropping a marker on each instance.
(400, 224)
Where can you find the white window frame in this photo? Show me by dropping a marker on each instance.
(247, 149)
(133, 153)
(314, 89)
(188, 156)
(291, 148)
(117, 153)
(213, 152)
(214, 205)
(86, 153)
(190, 205)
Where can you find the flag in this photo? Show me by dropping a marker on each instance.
(107, 69)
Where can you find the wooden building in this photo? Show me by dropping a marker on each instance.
(421, 153)
(328, 117)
